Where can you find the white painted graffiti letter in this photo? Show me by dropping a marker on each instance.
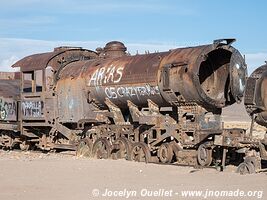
(106, 75)
(8, 109)
(131, 92)
(32, 108)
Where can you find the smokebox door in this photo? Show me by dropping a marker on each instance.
(238, 74)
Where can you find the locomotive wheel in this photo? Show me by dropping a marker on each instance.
(140, 152)
(124, 148)
(84, 148)
(101, 149)
(245, 168)
(204, 155)
(24, 146)
(255, 162)
(165, 153)
(7, 140)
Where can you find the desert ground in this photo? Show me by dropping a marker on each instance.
(30, 176)
(64, 176)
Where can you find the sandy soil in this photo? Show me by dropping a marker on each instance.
(31, 176)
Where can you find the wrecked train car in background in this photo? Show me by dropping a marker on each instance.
(9, 88)
(256, 105)
(160, 107)
(9, 95)
(256, 95)
(37, 106)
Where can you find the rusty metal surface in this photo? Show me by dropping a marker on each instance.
(114, 49)
(197, 74)
(256, 95)
(54, 59)
(9, 88)
(126, 78)
(72, 108)
(9, 94)
(9, 75)
(8, 109)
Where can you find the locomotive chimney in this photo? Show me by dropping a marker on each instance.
(114, 49)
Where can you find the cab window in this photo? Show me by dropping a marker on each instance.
(33, 81)
(39, 80)
(28, 81)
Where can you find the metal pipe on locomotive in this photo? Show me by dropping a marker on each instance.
(160, 107)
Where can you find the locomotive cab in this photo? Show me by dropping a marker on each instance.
(31, 95)
(39, 99)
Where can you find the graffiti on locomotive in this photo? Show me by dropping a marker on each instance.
(113, 75)
(32, 108)
(8, 109)
(106, 75)
(131, 91)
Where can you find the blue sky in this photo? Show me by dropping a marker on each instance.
(32, 26)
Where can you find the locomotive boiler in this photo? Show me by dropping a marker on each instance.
(211, 76)
(158, 107)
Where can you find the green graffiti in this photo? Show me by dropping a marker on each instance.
(3, 114)
(8, 109)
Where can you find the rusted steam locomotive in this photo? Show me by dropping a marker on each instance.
(160, 107)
